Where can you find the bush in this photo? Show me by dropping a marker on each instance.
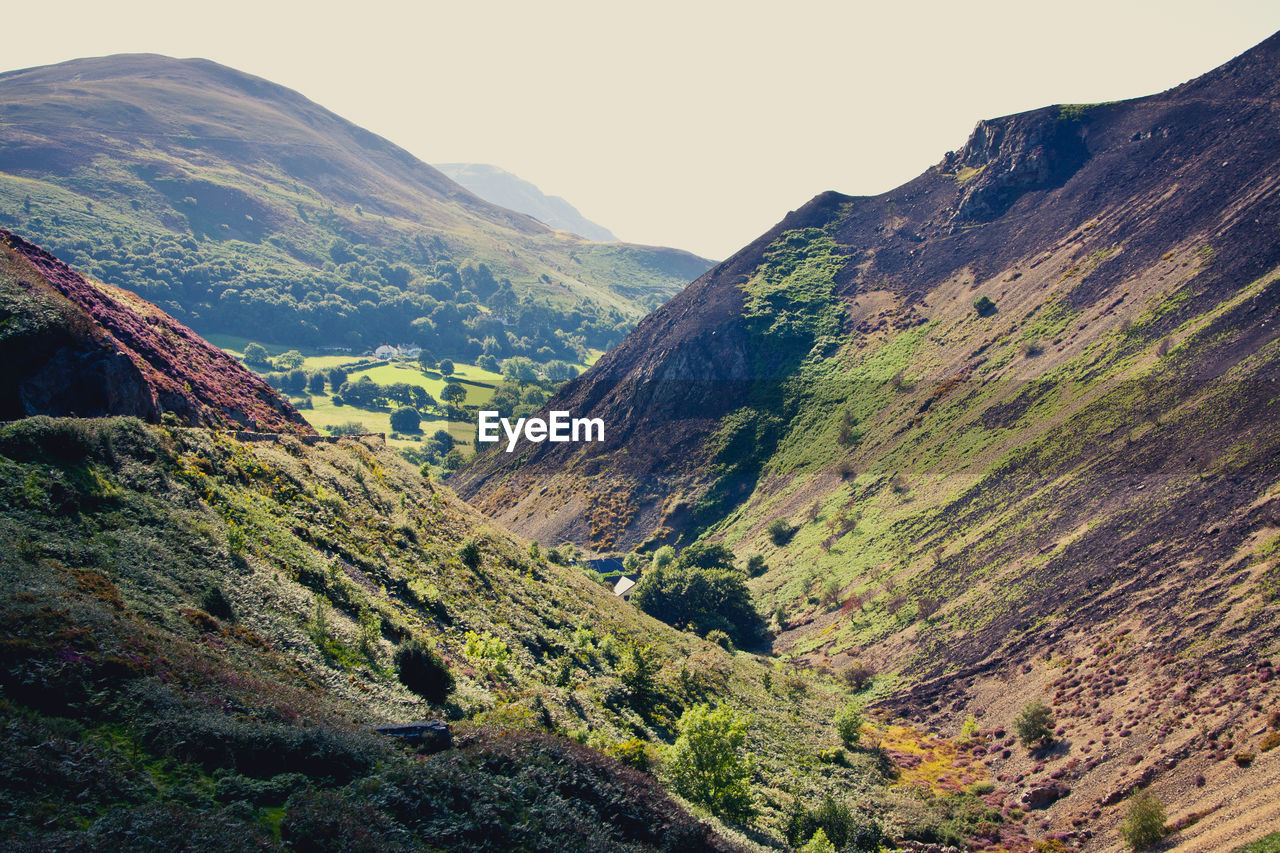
(756, 566)
(1034, 725)
(634, 753)
(780, 531)
(984, 306)
(858, 674)
(470, 555)
(706, 764)
(721, 639)
(849, 725)
(664, 556)
(423, 671)
(844, 828)
(405, 419)
(1143, 824)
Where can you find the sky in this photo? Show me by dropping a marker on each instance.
(696, 124)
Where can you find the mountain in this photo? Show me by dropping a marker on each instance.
(1008, 431)
(241, 207)
(75, 347)
(510, 191)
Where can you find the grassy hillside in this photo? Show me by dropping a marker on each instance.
(200, 631)
(241, 207)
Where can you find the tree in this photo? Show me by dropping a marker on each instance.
(706, 599)
(489, 363)
(631, 563)
(1034, 725)
(756, 566)
(559, 371)
(445, 367)
(316, 383)
(519, 370)
(819, 843)
(1143, 822)
(405, 419)
(289, 360)
(706, 762)
(255, 355)
(454, 394)
(426, 360)
(700, 556)
(337, 376)
(984, 306)
(638, 673)
(849, 725)
(423, 671)
(663, 556)
(295, 381)
(453, 460)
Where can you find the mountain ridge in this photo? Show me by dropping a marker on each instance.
(217, 195)
(511, 191)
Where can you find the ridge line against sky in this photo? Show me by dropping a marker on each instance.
(694, 125)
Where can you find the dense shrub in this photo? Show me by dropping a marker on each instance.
(1034, 725)
(780, 531)
(423, 671)
(849, 726)
(1143, 824)
(845, 828)
(531, 791)
(255, 747)
(329, 822)
(984, 306)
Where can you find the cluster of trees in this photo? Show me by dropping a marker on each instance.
(351, 294)
(701, 590)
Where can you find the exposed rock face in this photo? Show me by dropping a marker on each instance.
(71, 347)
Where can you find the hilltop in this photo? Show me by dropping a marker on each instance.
(1007, 432)
(513, 192)
(242, 207)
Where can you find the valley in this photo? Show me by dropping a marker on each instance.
(949, 517)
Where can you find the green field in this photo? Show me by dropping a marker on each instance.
(323, 414)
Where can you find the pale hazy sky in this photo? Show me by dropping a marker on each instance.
(690, 124)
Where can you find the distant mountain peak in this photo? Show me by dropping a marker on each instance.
(500, 187)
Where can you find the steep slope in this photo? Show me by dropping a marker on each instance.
(1013, 425)
(75, 347)
(514, 193)
(240, 206)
